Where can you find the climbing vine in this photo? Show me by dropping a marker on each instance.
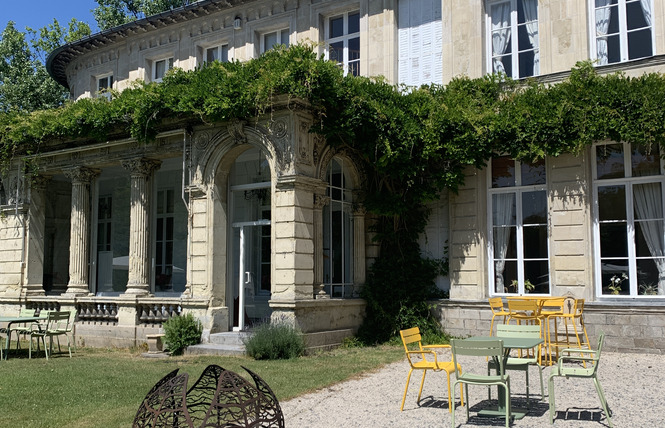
(414, 141)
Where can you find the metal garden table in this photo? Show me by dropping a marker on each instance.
(15, 320)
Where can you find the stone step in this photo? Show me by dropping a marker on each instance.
(231, 338)
(215, 349)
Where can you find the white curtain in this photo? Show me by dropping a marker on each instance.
(646, 10)
(500, 34)
(504, 207)
(602, 25)
(649, 206)
(531, 17)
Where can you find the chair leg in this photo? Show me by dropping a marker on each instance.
(450, 398)
(507, 388)
(603, 402)
(408, 378)
(422, 382)
(452, 414)
(550, 392)
(466, 391)
(542, 389)
(526, 374)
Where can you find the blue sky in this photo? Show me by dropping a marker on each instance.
(40, 13)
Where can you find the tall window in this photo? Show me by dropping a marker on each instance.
(622, 30)
(270, 40)
(629, 228)
(104, 85)
(420, 42)
(338, 232)
(343, 41)
(518, 230)
(512, 45)
(160, 67)
(218, 53)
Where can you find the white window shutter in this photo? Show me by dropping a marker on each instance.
(420, 42)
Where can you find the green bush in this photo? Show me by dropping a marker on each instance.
(182, 331)
(275, 342)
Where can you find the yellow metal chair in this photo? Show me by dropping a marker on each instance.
(417, 355)
(496, 305)
(551, 310)
(524, 310)
(572, 314)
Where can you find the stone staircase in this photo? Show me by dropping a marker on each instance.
(227, 343)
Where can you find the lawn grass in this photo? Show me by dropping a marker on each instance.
(104, 387)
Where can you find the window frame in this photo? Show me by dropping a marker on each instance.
(514, 41)
(518, 190)
(281, 33)
(628, 181)
(623, 32)
(345, 38)
(106, 91)
(220, 50)
(169, 63)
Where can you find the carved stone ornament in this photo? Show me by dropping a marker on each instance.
(141, 166)
(279, 128)
(219, 398)
(81, 174)
(321, 201)
(202, 140)
(236, 129)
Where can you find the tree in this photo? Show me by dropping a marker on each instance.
(111, 13)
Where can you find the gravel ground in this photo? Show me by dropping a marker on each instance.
(633, 385)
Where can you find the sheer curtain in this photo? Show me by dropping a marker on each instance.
(648, 206)
(504, 208)
(531, 17)
(602, 25)
(646, 10)
(500, 34)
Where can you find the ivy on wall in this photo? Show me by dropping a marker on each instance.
(414, 142)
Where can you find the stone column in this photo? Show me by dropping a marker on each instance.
(320, 201)
(33, 285)
(80, 229)
(358, 249)
(139, 224)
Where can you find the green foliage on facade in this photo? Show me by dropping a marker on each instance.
(181, 332)
(414, 142)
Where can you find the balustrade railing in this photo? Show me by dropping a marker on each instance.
(95, 312)
(43, 306)
(157, 313)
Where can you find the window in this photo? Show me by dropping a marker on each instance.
(270, 40)
(622, 30)
(338, 232)
(217, 53)
(518, 228)
(420, 38)
(512, 44)
(104, 86)
(343, 41)
(160, 68)
(629, 231)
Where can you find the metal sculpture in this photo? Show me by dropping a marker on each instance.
(219, 398)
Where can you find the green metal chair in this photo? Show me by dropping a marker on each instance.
(54, 326)
(492, 348)
(590, 371)
(21, 329)
(521, 363)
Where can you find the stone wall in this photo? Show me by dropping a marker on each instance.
(638, 329)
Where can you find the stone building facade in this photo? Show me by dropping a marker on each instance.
(237, 222)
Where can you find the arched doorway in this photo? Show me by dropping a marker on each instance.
(250, 258)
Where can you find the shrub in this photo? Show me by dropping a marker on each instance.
(182, 331)
(275, 342)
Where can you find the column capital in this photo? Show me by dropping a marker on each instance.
(141, 167)
(320, 201)
(81, 174)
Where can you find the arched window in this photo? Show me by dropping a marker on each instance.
(338, 231)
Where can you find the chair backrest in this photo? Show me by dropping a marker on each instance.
(512, 330)
(476, 348)
(579, 307)
(25, 312)
(596, 357)
(72, 318)
(553, 305)
(496, 304)
(57, 321)
(523, 305)
(412, 337)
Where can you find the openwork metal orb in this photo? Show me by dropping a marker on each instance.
(219, 398)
